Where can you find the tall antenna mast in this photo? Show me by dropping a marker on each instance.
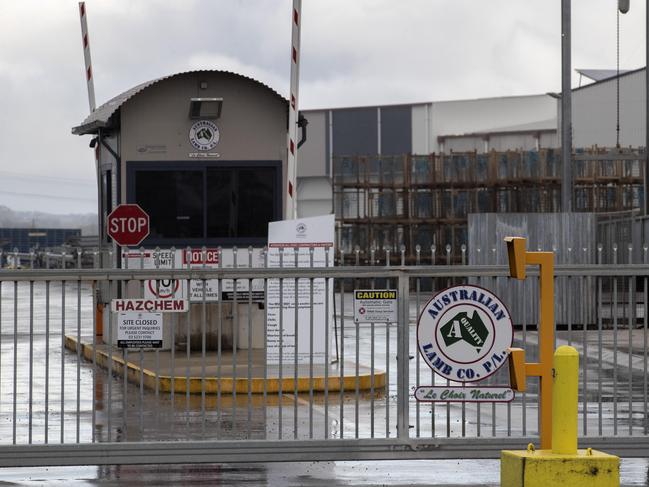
(291, 173)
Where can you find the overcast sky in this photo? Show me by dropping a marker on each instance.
(354, 52)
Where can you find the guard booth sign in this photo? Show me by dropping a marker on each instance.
(375, 306)
(464, 334)
(139, 330)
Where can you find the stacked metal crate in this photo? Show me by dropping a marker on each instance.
(409, 200)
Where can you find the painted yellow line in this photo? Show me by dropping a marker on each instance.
(226, 384)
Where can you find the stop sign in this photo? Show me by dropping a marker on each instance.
(128, 225)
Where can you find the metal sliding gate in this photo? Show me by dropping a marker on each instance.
(67, 398)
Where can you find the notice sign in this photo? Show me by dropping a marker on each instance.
(464, 394)
(375, 306)
(309, 241)
(139, 330)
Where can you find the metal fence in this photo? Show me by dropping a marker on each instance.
(68, 398)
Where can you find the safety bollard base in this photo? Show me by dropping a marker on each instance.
(542, 468)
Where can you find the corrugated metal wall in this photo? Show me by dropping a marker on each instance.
(571, 236)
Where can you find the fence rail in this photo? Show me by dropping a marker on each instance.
(624, 241)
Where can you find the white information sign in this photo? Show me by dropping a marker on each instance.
(463, 394)
(196, 258)
(139, 330)
(375, 306)
(464, 333)
(284, 239)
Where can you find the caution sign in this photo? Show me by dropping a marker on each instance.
(375, 306)
(139, 330)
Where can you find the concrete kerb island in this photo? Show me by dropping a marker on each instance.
(226, 383)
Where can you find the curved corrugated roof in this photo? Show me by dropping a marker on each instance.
(101, 117)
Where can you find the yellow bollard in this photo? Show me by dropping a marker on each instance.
(565, 383)
(564, 464)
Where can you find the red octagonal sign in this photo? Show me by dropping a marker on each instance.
(128, 225)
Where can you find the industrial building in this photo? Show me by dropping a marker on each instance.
(24, 240)
(482, 125)
(410, 174)
(594, 111)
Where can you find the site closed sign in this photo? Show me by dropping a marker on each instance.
(375, 306)
(139, 330)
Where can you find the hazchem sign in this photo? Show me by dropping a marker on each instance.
(128, 225)
(158, 305)
(139, 330)
(464, 333)
(375, 306)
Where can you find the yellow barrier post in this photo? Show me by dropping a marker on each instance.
(519, 257)
(558, 462)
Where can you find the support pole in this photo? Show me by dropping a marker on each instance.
(566, 109)
(545, 261)
(403, 359)
(646, 149)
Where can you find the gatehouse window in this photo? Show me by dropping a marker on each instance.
(207, 203)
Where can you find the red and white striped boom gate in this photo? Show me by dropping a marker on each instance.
(291, 173)
(86, 56)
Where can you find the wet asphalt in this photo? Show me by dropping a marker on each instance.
(634, 472)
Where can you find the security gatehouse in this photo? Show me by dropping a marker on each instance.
(203, 153)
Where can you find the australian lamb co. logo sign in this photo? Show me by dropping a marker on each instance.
(464, 333)
(204, 135)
